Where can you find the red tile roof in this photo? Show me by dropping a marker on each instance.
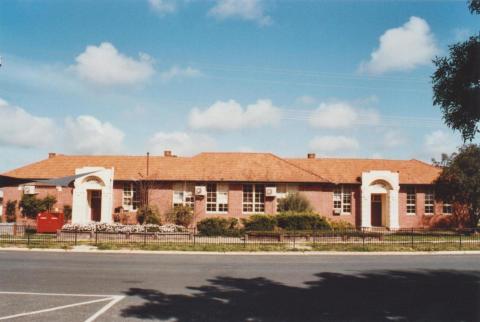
(253, 167)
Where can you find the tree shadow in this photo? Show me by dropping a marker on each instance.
(432, 295)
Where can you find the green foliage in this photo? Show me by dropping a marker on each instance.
(10, 210)
(301, 221)
(219, 226)
(148, 215)
(259, 223)
(180, 215)
(294, 202)
(32, 206)
(67, 212)
(459, 181)
(456, 84)
(341, 225)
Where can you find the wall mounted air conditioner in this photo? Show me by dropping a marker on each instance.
(271, 191)
(29, 190)
(200, 191)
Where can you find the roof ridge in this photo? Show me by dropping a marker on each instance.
(298, 167)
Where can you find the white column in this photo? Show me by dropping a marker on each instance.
(79, 206)
(366, 209)
(393, 209)
(107, 204)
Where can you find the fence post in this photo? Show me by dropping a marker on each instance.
(245, 237)
(194, 237)
(314, 233)
(411, 238)
(460, 244)
(294, 237)
(75, 236)
(145, 236)
(96, 235)
(28, 236)
(363, 239)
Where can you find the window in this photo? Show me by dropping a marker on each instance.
(429, 202)
(131, 196)
(411, 201)
(283, 190)
(217, 197)
(447, 209)
(342, 200)
(254, 198)
(184, 195)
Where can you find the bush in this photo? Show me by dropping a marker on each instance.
(294, 202)
(219, 226)
(148, 215)
(10, 210)
(302, 221)
(259, 223)
(32, 206)
(48, 202)
(340, 225)
(180, 215)
(67, 212)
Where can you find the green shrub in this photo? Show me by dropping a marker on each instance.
(148, 215)
(67, 212)
(301, 221)
(32, 206)
(259, 223)
(218, 226)
(341, 225)
(48, 202)
(294, 202)
(180, 215)
(10, 210)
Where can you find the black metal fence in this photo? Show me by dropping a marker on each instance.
(348, 239)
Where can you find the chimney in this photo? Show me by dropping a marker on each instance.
(167, 153)
(51, 155)
(311, 156)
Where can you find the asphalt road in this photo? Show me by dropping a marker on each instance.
(238, 288)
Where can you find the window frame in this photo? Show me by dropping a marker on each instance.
(187, 192)
(133, 195)
(431, 204)
(448, 205)
(340, 194)
(258, 189)
(409, 202)
(289, 189)
(214, 198)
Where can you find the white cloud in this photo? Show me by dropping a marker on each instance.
(87, 135)
(306, 100)
(104, 65)
(180, 143)
(393, 139)
(438, 142)
(403, 48)
(230, 115)
(177, 72)
(340, 115)
(22, 129)
(331, 144)
(252, 10)
(163, 7)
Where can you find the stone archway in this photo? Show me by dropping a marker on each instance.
(384, 187)
(92, 195)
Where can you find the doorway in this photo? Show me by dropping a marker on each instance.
(95, 202)
(376, 210)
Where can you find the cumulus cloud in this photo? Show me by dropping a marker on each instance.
(22, 129)
(339, 115)
(403, 48)
(252, 10)
(178, 72)
(180, 143)
(329, 144)
(87, 135)
(163, 7)
(438, 142)
(230, 115)
(105, 65)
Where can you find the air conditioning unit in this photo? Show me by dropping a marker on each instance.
(29, 190)
(271, 191)
(200, 191)
(337, 212)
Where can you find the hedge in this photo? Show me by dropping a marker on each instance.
(218, 226)
(301, 221)
(260, 223)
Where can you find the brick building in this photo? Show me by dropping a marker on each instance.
(364, 192)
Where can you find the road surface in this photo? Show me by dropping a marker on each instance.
(45, 286)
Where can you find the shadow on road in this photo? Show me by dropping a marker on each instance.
(374, 296)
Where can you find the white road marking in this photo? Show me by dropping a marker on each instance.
(112, 300)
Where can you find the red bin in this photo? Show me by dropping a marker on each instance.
(48, 222)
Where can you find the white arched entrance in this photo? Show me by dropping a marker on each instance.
(92, 195)
(380, 199)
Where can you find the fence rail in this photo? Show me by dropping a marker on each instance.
(348, 239)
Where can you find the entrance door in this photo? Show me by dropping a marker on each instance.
(95, 205)
(376, 210)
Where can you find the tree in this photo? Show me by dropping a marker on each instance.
(32, 206)
(10, 210)
(459, 181)
(456, 84)
(294, 202)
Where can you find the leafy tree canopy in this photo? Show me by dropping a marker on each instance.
(474, 6)
(459, 181)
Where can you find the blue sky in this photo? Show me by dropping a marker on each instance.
(339, 78)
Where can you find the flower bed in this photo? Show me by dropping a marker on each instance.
(122, 229)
